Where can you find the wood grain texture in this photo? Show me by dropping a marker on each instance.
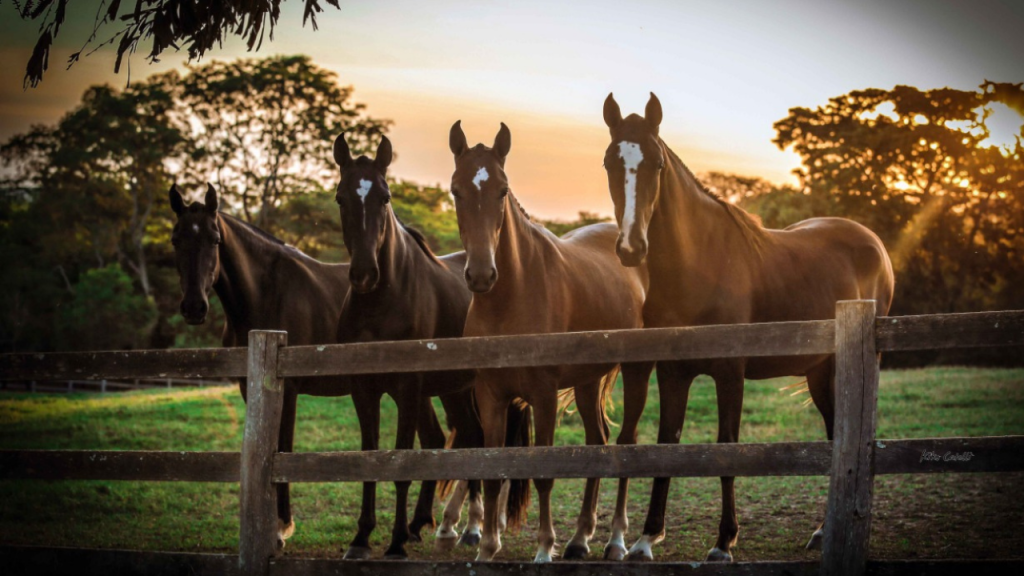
(112, 465)
(737, 340)
(848, 515)
(264, 402)
(937, 331)
(950, 455)
(194, 363)
(770, 459)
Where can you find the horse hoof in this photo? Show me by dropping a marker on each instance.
(575, 552)
(285, 531)
(718, 555)
(396, 555)
(815, 542)
(415, 537)
(357, 553)
(445, 544)
(614, 553)
(280, 544)
(469, 539)
(640, 556)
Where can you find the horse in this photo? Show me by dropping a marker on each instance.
(265, 284)
(526, 280)
(710, 262)
(402, 291)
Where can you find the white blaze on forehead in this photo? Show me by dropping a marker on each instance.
(481, 177)
(631, 158)
(363, 191)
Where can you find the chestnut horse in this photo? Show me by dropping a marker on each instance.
(712, 263)
(402, 291)
(265, 284)
(528, 281)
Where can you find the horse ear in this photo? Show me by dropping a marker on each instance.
(612, 114)
(341, 154)
(457, 139)
(653, 112)
(384, 155)
(211, 198)
(503, 142)
(177, 203)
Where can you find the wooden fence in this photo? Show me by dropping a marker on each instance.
(856, 336)
(103, 385)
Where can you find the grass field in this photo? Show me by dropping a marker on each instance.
(937, 516)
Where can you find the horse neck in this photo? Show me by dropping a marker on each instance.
(245, 260)
(518, 245)
(397, 259)
(685, 219)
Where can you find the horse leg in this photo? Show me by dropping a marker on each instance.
(588, 403)
(474, 525)
(674, 381)
(635, 379)
(431, 438)
(729, 392)
(545, 416)
(821, 383)
(409, 402)
(493, 415)
(446, 533)
(285, 443)
(368, 410)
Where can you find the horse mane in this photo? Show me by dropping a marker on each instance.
(420, 239)
(520, 207)
(252, 228)
(750, 225)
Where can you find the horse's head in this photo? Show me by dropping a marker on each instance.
(196, 237)
(363, 197)
(633, 161)
(479, 186)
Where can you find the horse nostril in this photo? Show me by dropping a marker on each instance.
(469, 277)
(494, 274)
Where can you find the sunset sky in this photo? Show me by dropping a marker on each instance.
(724, 71)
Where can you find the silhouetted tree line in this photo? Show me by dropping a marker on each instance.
(84, 221)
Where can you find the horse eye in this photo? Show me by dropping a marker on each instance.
(386, 200)
(504, 192)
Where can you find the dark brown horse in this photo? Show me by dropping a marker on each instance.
(264, 284)
(402, 291)
(712, 263)
(528, 281)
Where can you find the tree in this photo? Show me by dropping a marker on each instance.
(106, 313)
(193, 24)
(264, 130)
(919, 168)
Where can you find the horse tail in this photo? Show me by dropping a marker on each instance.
(445, 487)
(565, 399)
(519, 424)
(606, 401)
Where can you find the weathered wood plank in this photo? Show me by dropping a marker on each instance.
(264, 402)
(936, 331)
(776, 339)
(111, 465)
(848, 516)
(34, 560)
(943, 567)
(950, 455)
(191, 363)
(770, 459)
(311, 567)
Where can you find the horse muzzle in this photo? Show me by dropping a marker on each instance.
(481, 281)
(364, 280)
(194, 311)
(631, 254)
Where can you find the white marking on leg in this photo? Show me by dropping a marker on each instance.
(503, 505)
(481, 177)
(618, 539)
(643, 547)
(363, 191)
(453, 512)
(631, 156)
(543, 555)
(476, 515)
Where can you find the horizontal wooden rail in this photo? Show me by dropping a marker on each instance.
(114, 465)
(191, 363)
(919, 456)
(732, 341)
(942, 331)
(18, 560)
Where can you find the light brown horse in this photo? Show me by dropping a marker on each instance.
(402, 291)
(264, 284)
(528, 281)
(712, 263)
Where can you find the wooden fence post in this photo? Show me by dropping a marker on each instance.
(264, 394)
(848, 518)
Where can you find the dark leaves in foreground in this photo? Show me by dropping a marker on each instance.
(195, 25)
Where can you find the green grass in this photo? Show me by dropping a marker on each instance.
(915, 516)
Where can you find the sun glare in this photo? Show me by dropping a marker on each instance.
(1004, 127)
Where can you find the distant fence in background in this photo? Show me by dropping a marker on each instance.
(103, 386)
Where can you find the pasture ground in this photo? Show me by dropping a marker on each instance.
(924, 516)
